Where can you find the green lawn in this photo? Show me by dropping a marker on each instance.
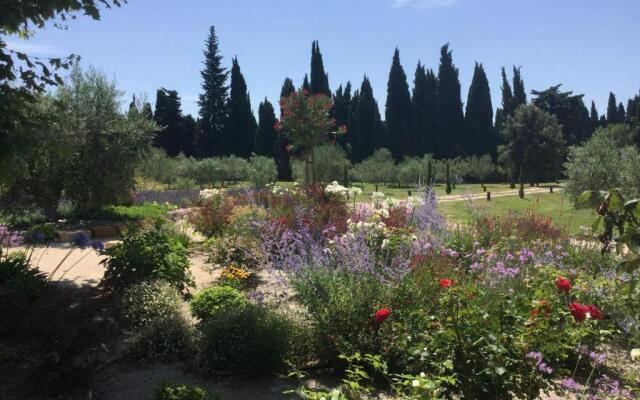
(554, 205)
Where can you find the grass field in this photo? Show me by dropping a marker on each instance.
(553, 205)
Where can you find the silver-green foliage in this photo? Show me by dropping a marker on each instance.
(608, 160)
(262, 171)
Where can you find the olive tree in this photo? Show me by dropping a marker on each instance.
(377, 169)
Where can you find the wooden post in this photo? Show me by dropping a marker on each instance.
(550, 189)
(409, 193)
(488, 196)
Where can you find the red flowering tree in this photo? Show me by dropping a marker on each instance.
(306, 122)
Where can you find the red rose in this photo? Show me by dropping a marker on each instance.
(382, 314)
(563, 284)
(594, 312)
(445, 283)
(579, 311)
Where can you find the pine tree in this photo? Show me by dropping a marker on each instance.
(480, 136)
(612, 109)
(212, 101)
(450, 119)
(570, 111)
(397, 111)
(287, 88)
(364, 134)
(305, 84)
(593, 116)
(266, 136)
(519, 94)
(240, 127)
(168, 115)
(319, 78)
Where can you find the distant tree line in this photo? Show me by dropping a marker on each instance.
(428, 118)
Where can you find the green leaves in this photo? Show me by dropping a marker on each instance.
(590, 198)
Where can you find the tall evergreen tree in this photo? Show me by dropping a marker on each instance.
(287, 88)
(266, 136)
(212, 101)
(424, 102)
(450, 119)
(319, 79)
(305, 84)
(480, 137)
(240, 127)
(519, 94)
(593, 116)
(190, 129)
(612, 109)
(507, 105)
(397, 111)
(364, 134)
(341, 110)
(622, 115)
(146, 110)
(168, 115)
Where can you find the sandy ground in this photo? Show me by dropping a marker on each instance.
(481, 196)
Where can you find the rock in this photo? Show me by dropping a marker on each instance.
(111, 243)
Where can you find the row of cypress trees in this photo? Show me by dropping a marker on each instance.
(427, 119)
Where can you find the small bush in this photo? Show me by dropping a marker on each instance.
(237, 250)
(262, 171)
(174, 391)
(144, 256)
(211, 301)
(252, 340)
(146, 302)
(168, 338)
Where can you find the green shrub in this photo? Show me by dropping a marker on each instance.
(173, 391)
(214, 300)
(21, 286)
(146, 302)
(252, 339)
(240, 251)
(262, 171)
(47, 231)
(146, 255)
(167, 338)
(328, 164)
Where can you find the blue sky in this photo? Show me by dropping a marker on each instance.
(591, 46)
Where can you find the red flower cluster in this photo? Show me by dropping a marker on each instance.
(382, 314)
(563, 284)
(445, 283)
(580, 312)
(541, 305)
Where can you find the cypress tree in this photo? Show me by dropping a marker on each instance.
(266, 136)
(424, 103)
(287, 88)
(305, 84)
(212, 101)
(133, 107)
(519, 94)
(319, 78)
(593, 116)
(418, 111)
(168, 115)
(450, 119)
(480, 137)
(397, 111)
(612, 109)
(281, 153)
(570, 111)
(366, 127)
(189, 127)
(507, 108)
(621, 114)
(341, 110)
(240, 129)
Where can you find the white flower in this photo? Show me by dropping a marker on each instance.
(423, 375)
(335, 187)
(415, 383)
(377, 195)
(354, 191)
(385, 244)
(635, 354)
(207, 194)
(414, 201)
